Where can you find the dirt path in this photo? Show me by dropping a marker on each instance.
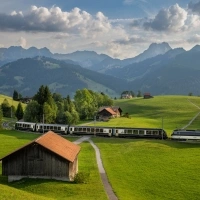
(190, 122)
(111, 195)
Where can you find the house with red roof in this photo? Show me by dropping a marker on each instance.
(108, 112)
(48, 157)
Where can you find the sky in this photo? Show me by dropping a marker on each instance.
(119, 28)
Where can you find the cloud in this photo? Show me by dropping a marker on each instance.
(171, 19)
(22, 42)
(129, 2)
(130, 40)
(41, 19)
(194, 7)
(194, 39)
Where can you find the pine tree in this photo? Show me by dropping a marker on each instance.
(15, 95)
(19, 112)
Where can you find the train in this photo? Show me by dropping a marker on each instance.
(182, 134)
(123, 132)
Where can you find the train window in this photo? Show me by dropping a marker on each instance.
(92, 130)
(129, 131)
(47, 127)
(59, 128)
(55, 127)
(88, 129)
(75, 129)
(135, 131)
(84, 129)
(141, 132)
(97, 130)
(101, 130)
(110, 131)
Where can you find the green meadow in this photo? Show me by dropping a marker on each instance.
(10, 101)
(151, 169)
(137, 169)
(169, 112)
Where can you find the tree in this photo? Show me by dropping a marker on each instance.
(19, 112)
(139, 93)
(84, 102)
(190, 94)
(31, 113)
(6, 108)
(12, 110)
(1, 117)
(15, 95)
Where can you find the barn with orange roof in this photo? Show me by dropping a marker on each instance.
(48, 157)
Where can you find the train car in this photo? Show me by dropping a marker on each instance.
(185, 135)
(57, 128)
(25, 126)
(153, 133)
(91, 130)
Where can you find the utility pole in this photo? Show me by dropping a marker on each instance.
(43, 122)
(94, 126)
(162, 127)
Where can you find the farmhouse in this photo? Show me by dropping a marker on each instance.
(49, 157)
(147, 95)
(108, 112)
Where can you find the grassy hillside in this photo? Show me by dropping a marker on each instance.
(151, 169)
(174, 111)
(10, 101)
(48, 189)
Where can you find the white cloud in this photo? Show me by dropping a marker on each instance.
(41, 19)
(194, 39)
(171, 19)
(22, 42)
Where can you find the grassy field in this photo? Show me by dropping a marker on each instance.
(10, 101)
(151, 169)
(47, 189)
(170, 111)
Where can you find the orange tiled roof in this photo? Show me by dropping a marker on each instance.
(56, 144)
(111, 111)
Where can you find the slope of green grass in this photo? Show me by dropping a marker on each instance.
(169, 112)
(151, 169)
(50, 189)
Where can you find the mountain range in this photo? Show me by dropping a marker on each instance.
(158, 70)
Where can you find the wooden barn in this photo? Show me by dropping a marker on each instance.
(48, 157)
(108, 112)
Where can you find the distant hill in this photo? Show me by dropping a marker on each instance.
(14, 53)
(87, 59)
(28, 74)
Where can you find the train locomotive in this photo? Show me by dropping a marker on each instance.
(123, 132)
(181, 134)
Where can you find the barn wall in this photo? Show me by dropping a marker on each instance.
(35, 161)
(73, 168)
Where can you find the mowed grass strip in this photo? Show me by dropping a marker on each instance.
(169, 112)
(151, 169)
(50, 189)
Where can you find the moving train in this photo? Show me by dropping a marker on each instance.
(182, 134)
(154, 133)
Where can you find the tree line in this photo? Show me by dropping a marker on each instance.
(50, 107)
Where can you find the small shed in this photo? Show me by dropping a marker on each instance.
(147, 95)
(48, 157)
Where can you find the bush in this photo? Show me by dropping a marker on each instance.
(81, 177)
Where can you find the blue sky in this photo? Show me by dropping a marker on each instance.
(119, 28)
